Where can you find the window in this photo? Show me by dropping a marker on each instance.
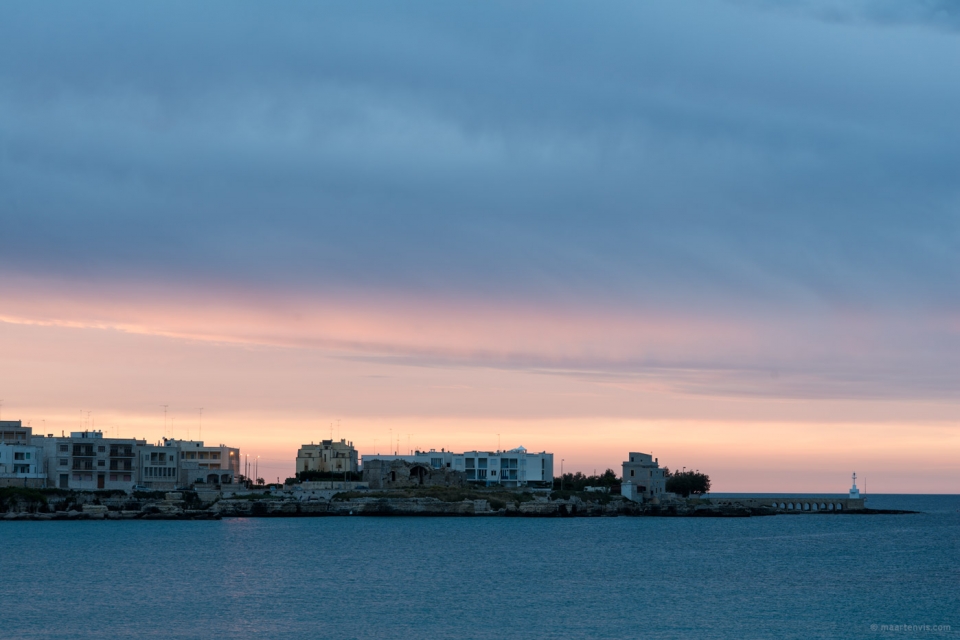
(215, 455)
(113, 477)
(436, 463)
(631, 473)
(101, 463)
(126, 477)
(101, 449)
(471, 463)
(18, 455)
(481, 474)
(64, 448)
(63, 462)
(482, 464)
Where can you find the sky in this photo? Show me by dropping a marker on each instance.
(726, 233)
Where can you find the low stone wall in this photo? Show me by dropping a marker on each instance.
(794, 504)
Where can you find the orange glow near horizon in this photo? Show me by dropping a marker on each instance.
(273, 377)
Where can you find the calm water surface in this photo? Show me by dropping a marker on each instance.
(800, 576)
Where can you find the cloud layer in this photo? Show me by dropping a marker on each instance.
(716, 199)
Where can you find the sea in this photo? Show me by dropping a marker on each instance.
(786, 576)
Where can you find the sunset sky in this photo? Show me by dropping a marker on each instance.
(720, 232)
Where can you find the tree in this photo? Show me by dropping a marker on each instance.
(685, 483)
(577, 481)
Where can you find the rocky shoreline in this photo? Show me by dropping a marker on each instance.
(178, 506)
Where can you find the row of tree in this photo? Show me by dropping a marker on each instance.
(683, 483)
(577, 481)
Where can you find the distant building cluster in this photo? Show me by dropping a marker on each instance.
(87, 461)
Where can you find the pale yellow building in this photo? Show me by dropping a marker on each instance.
(327, 457)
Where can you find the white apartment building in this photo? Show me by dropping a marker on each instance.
(513, 468)
(21, 465)
(204, 464)
(86, 461)
(643, 479)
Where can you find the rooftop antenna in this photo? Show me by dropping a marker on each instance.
(164, 418)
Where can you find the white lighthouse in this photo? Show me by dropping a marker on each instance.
(854, 492)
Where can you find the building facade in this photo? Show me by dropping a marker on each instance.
(328, 457)
(21, 463)
(514, 468)
(86, 461)
(643, 479)
(202, 464)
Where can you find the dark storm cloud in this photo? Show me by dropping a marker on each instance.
(656, 153)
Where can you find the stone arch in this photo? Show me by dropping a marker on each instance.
(789, 505)
(418, 473)
(830, 506)
(806, 506)
(213, 478)
(839, 507)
